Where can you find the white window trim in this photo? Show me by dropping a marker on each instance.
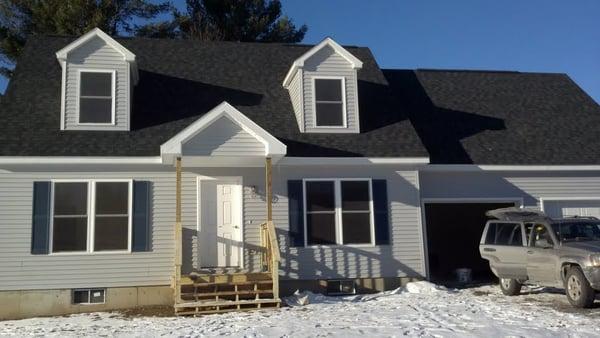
(314, 101)
(339, 235)
(113, 93)
(91, 215)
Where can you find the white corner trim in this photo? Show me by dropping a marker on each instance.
(474, 167)
(16, 160)
(63, 94)
(273, 147)
(335, 161)
(96, 32)
(299, 62)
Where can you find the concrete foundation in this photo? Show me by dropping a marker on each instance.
(34, 303)
(363, 285)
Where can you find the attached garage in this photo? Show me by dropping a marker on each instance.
(557, 208)
(453, 233)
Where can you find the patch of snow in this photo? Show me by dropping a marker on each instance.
(424, 287)
(305, 298)
(432, 312)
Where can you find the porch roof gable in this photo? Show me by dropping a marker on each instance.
(175, 146)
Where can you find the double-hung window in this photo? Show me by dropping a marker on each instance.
(91, 216)
(338, 211)
(96, 97)
(329, 102)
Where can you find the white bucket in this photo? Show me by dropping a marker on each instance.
(463, 275)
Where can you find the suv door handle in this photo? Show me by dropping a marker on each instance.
(489, 249)
(530, 252)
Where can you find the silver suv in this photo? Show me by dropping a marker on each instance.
(526, 246)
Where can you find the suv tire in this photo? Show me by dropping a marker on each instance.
(579, 292)
(510, 287)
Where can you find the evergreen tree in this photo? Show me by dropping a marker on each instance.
(230, 20)
(21, 18)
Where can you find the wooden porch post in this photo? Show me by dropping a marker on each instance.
(272, 257)
(269, 189)
(178, 258)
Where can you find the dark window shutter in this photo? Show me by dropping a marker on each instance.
(296, 212)
(40, 224)
(380, 204)
(141, 216)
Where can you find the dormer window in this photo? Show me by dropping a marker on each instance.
(323, 88)
(330, 105)
(98, 75)
(96, 97)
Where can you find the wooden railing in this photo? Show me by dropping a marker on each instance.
(270, 256)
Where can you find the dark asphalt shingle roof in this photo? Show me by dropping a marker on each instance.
(480, 117)
(490, 117)
(182, 80)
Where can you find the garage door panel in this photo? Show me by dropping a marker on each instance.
(558, 209)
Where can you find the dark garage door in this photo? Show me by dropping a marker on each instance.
(453, 235)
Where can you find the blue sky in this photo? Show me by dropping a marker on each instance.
(532, 35)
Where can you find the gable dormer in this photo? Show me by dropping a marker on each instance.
(323, 87)
(98, 75)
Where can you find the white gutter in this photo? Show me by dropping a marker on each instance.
(490, 167)
(308, 161)
(15, 160)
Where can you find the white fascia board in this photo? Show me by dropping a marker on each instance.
(333, 161)
(489, 167)
(299, 62)
(273, 147)
(15, 160)
(96, 32)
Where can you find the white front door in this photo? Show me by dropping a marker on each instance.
(220, 228)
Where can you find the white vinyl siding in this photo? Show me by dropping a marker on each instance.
(97, 55)
(295, 91)
(23, 271)
(530, 186)
(572, 207)
(223, 138)
(324, 63)
(404, 255)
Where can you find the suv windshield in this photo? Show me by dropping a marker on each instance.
(577, 231)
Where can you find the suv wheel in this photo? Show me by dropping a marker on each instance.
(579, 292)
(510, 287)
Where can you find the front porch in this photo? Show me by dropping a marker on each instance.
(220, 280)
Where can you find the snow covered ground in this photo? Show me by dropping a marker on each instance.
(421, 309)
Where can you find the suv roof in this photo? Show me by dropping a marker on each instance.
(532, 215)
(518, 214)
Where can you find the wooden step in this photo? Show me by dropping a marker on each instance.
(257, 282)
(226, 303)
(209, 312)
(224, 278)
(226, 293)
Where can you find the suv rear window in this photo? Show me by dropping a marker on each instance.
(504, 234)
